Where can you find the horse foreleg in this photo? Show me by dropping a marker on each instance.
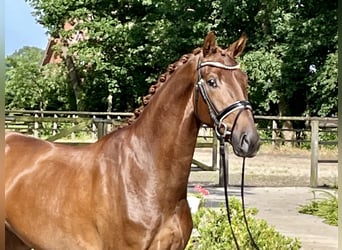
(175, 233)
(12, 242)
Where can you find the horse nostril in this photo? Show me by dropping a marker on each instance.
(246, 145)
(244, 140)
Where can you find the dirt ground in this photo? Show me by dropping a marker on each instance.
(272, 167)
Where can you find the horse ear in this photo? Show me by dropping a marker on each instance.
(209, 43)
(238, 46)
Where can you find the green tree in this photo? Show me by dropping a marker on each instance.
(264, 74)
(22, 89)
(129, 43)
(30, 86)
(322, 95)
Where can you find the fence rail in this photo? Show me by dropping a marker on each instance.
(50, 123)
(55, 125)
(314, 126)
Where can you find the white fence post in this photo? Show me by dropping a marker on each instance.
(94, 129)
(36, 127)
(54, 125)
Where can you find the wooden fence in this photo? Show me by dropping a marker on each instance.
(86, 127)
(54, 126)
(312, 133)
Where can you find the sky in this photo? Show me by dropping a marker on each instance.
(21, 28)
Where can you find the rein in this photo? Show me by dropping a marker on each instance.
(223, 166)
(218, 117)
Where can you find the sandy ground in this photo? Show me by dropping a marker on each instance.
(271, 167)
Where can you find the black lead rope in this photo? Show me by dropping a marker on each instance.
(225, 182)
(243, 205)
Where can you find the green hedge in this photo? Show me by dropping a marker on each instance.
(212, 232)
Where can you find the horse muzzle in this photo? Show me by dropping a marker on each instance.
(245, 144)
(242, 135)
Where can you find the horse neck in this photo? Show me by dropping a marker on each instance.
(168, 128)
(168, 122)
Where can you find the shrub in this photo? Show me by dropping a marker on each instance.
(325, 208)
(214, 232)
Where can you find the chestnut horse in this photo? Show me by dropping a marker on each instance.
(128, 190)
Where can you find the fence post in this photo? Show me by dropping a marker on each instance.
(274, 134)
(109, 109)
(221, 172)
(36, 127)
(214, 155)
(54, 125)
(314, 153)
(100, 129)
(73, 124)
(93, 126)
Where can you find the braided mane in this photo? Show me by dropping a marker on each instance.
(161, 80)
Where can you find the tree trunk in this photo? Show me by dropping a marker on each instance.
(286, 134)
(76, 81)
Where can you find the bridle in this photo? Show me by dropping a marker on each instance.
(218, 117)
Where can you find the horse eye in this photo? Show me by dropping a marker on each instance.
(212, 83)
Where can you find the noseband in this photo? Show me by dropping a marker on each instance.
(218, 116)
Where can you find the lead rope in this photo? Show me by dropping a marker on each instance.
(224, 167)
(243, 204)
(225, 183)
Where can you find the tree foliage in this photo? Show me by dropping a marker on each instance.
(290, 56)
(22, 72)
(29, 86)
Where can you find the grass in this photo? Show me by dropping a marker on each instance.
(325, 207)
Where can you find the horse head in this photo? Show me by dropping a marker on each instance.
(221, 99)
